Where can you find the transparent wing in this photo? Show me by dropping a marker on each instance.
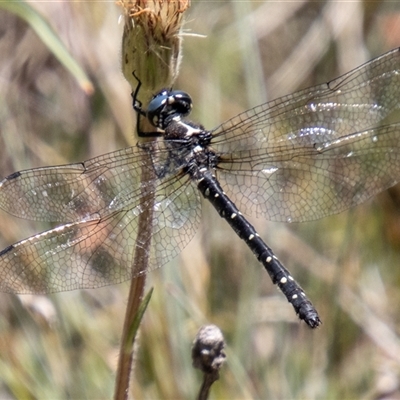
(104, 200)
(305, 183)
(318, 151)
(74, 192)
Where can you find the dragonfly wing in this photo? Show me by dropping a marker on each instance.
(159, 215)
(70, 193)
(318, 151)
(361, 99)
(306, 183)
(99, 252)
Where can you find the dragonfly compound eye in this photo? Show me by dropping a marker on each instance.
(167, 105)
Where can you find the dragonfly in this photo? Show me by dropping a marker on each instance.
(298, 158)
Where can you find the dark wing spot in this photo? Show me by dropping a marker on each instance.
(6, 250)
(14, 175)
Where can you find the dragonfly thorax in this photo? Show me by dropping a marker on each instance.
(189, 143)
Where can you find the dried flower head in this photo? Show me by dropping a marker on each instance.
(152, 42)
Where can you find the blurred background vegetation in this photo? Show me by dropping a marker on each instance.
(65, 345)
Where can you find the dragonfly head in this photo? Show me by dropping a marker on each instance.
(167, 105)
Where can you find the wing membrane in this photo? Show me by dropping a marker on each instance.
(354, 102)
(76, 191)
(96, 247)
(318, 151)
